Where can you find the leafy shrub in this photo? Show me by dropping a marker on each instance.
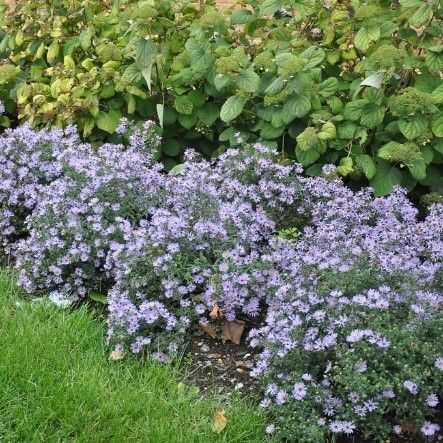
(352, 333)
(29, 160)
(358, 85)
(86, 212)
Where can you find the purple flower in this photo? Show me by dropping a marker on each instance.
(432, 400)
(299, 391)
(429, 428)
(439, 363)
(411, 386)
(270, 429)
(397, 429)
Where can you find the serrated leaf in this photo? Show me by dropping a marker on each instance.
(296, 106)
(108, 121)
(269, 132)
(187, 120)
(437, 126)
(367, 165)
(354, 110)
(420, 16)
(221, 81)
(312, 57)
(347, 130)
(85, 38)
(306, 158)
(434, 61)
(365, 36)
(372, 115)
(248, 80)
(327, 132)
(232, 108)
(208, 114)
(328, 87)
(241, 17)
(413, 127)
(345, 167)
(275, 87)
(418, 170)
(145, 59)
(385, 179)
(268, 7)
(183, 104)
(437, 94)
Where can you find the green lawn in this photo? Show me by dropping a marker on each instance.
(57, 385)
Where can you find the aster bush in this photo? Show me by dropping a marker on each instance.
(79, 217)
(196, 251)
(28, 162)
(351, 341)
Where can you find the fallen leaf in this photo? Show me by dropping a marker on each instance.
(232, 330)
(216, 311)
(208, 330)
(220, 421)
(116, 355)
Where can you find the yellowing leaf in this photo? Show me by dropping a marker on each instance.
(220, 421)
(216, 311)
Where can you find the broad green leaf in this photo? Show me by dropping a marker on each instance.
(413, 127)
(345, 167)
(328, 87)
(275, 87)
(85, 38)
(437, 126)
(418, 170)
(312, 57)
(434, 61)
(268, 7)
(108, 121)
(437, 94)
(309, 139)
(306, 158)
(296, 106)
(187, 120)
(145, 59)
(372, 115)
(241, 17)
(420, 16)
(365, 36)
(232, 108)
(385, 179)
(248, 80)
(438, 145)
(411, 3)
(374, 80)
(269, 132)
(353, 110)
(367, 165)
(171, 147)
(386, 151)
(198, 99)
(183, 104)
(208, 114)
(176, 170)
(327, 132)
(347, 130)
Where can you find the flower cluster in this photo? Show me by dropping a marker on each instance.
(351, 339)
(28, 162)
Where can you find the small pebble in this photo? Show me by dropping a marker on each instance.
(205, 348)
(238, 386)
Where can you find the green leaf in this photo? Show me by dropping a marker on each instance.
(413, 127)
(306, 158)
(296, 106)
(160, 111)
(269, 132)
(327, 132)
(208, 114)
(438, 145)
(183, 104)
(385, 179)
(268, 7)
(171, 147)
(248, 80)
(309, 139)
(367, 165)
(328, 87)
(241, 17)
(437, 126)
(374, 80)
(347, 130)
(434, 61)
(187, 120)
(353, 110)
(108, 121)
(346, 166)
(232, 108)
(275, 87)
(372, 115)
(420, 16)
(96, 296)
(312, 57)
(437, 95)
(85, 38)
(221, 81)
(198, 99)
(145, 59)
(418, 170)
(365, 36)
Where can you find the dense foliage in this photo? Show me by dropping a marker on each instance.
(357, 84)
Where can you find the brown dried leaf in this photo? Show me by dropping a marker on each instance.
(220, 421)
(232, 330)
(216, 311)
(116, 355)
(208, 330)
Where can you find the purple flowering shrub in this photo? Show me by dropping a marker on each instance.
(197, 248)
(352, 337)
(28, 162)
(82, 215)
